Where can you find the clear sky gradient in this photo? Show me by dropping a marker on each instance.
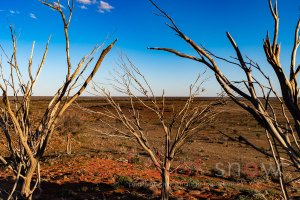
(136, 26)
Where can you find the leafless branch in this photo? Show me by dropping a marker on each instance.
(262, 109)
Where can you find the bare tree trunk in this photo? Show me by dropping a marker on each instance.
(26, 190)
(69, 148)
(165, 176)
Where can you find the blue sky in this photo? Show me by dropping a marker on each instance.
(136, 27)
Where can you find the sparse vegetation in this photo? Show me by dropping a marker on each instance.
(193, 184)
(122, 181)
(251, 195)
(69, 125)
(96, 160)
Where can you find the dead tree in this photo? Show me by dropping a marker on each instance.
(26, 140)
(176, 128)
(283, 136)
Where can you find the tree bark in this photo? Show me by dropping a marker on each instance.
(165, 175)
(26, 190)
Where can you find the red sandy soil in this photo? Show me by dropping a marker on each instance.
(92, 177)
(98, 163)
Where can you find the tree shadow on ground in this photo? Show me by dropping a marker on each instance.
(80, 190)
